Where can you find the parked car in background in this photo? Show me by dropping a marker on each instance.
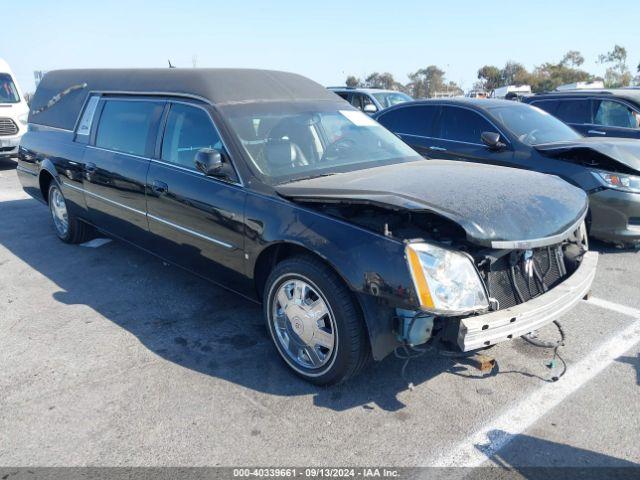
(518, 135)
(13, 112)
(512, 92)
(269, 185)
(595, 113)
(371, 100)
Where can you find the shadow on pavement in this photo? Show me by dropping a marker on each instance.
(7, 164)
(186, 320)
(536, 458)
(634, 362)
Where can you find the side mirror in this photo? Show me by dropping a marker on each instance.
(492, 140)
(209, 161)
(370, 108)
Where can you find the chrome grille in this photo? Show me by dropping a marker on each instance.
(7, 127)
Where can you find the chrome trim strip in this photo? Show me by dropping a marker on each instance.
(49, 127)
(107, 200)
(153, 217)
(539, 242)
(191, 232)
(20, 168)
(118, 152)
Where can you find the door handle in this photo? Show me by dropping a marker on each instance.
(438, 149)
(159, 187)
(90, 167)
(597, 132)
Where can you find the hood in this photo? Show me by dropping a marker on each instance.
(625, 151)
(497, 207)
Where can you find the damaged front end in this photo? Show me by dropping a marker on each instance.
(472, 296)
(493, 253)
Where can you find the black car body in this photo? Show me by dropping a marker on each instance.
(595, 113)
(268, 184)
(518, 135)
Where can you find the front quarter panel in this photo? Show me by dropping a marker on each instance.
(371, 265)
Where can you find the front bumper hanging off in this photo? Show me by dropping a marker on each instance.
(484, 330)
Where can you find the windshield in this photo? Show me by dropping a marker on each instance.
(534, 126)
(389, 99)
(8, 90)
(300, 143)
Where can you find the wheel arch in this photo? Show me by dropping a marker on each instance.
(45, 177)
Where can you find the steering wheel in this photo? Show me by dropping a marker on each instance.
(338, 148)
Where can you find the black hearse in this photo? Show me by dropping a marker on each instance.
(269, 185)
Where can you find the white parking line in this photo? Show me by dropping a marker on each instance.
(616, 307)
(478, 447)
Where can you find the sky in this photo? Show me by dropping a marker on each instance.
(324, 40)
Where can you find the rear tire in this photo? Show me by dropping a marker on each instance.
(314, 321)
(67, 226)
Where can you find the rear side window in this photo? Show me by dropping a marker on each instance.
(414, 120)
(128, 126)
(549, 106)
(343, 95)
(462, 125)
(615, 114)
(188, 130)
(574, 111)
(84, 127)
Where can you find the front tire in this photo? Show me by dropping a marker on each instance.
(67, 226)
(314, 321)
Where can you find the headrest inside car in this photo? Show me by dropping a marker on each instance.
(278, 153)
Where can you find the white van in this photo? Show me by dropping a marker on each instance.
(13, 112)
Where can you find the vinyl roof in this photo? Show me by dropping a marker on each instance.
(62, 93)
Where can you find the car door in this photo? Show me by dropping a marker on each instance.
(116, 163)
(458, 137)
(414, 124)
(575, 112)
(613, 118)
(196, 220)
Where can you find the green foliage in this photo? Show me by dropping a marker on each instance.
(429, 81)
(617, 74)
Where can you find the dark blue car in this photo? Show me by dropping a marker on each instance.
(518, 135)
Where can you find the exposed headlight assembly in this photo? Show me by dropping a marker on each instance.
(618, 181)
(446, 281)
(24, 118)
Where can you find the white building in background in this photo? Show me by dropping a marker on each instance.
(512, 92)
(581, 85)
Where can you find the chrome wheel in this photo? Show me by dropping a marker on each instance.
(303, 324)
(59, 213)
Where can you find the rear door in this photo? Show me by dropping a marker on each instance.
(196, 220)
(575, 112)
(116, 163)
(614, 118)
(458, 137)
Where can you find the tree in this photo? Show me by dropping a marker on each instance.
(514, 73)
(425, 82)
(572, 59)
(352, 81)
(490, 77)
(382, 80)
(618, 74)
(549, 76)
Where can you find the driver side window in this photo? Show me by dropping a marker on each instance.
(188, 130)
(462, 125)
